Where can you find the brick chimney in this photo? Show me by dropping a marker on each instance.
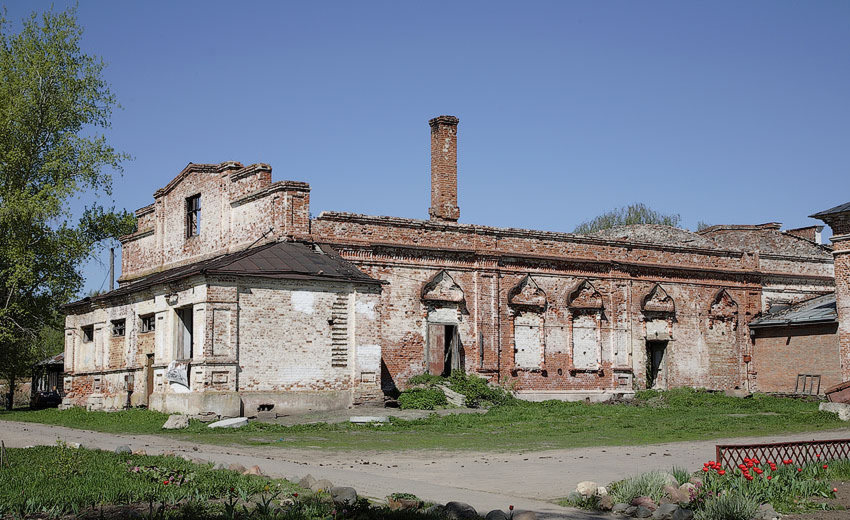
(444, 169)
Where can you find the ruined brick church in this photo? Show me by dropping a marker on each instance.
(233, 300)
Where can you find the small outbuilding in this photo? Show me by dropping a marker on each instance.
(795, 348)
(47, 382)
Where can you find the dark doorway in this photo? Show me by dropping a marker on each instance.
(184, 333)
(655, 375)
(148, 379)
(444, 353)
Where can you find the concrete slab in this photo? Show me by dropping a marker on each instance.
(236, 422)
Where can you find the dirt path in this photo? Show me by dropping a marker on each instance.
(485, 480)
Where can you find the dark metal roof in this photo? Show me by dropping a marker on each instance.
(58, 359)
(281, 260)
(831, 211)
(816, 310)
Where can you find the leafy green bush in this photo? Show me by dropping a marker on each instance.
(649, 484)
(477, 391)
(422, 399)
(729, 506)
(590, 503)
(426, 379)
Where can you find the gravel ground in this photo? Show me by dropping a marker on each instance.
(528, 480)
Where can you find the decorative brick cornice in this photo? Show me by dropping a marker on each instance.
(200, 168)
(142, 233)
(145, 210)
(275, 187)
(249, 170)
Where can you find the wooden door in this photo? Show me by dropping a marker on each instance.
(435, 355)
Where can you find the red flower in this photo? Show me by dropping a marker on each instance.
(799, 469)
(758, 470)
(165, 482)
(511, 507)
(721, 472)
(748, 477)
(705, 469)
(769, 477)
(825, 466)
(835, 490)
(295, 495)
(817, 455)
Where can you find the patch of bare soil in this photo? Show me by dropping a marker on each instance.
(840, 506)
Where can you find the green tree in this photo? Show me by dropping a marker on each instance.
(633, 214)
(53, 104)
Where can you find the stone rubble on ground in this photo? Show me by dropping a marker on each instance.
(496, 514)
(766, 512)
(459, 511)
(343, 496)
(587, 488)
(842, 409)
(321, 485)
(235, 422)
(253, 470)
(238, 468)
(307, 481)
(176, 422)
(123, 449)
(368, 419)
(454, 398)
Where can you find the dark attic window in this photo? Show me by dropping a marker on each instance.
(193, 216)
(88, 333)
(119, 327)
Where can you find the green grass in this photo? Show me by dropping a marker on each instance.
(52, 481)
(60, 479)
(678, 415)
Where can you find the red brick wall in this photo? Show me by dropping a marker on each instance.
(779, 354)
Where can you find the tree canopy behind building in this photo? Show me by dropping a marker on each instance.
(53, 102)
(633, 214)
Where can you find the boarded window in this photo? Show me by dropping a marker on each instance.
(148, 323)
(528, 340)
(585, 343)
(193, 216)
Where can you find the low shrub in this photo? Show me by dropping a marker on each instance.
(422, 399)
(729, 506)
(590, 503)
(478, 392)
(649, 484)
(426, 379)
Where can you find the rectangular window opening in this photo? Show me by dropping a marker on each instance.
(193, 216)
(88, 333)
(148, 323)
(119, 327)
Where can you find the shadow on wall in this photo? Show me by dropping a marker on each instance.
(388, 386)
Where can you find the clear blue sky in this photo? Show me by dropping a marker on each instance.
(725, 112)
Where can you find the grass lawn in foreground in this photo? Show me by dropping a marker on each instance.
(653, 417)
(52, 481)
(61, 479)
